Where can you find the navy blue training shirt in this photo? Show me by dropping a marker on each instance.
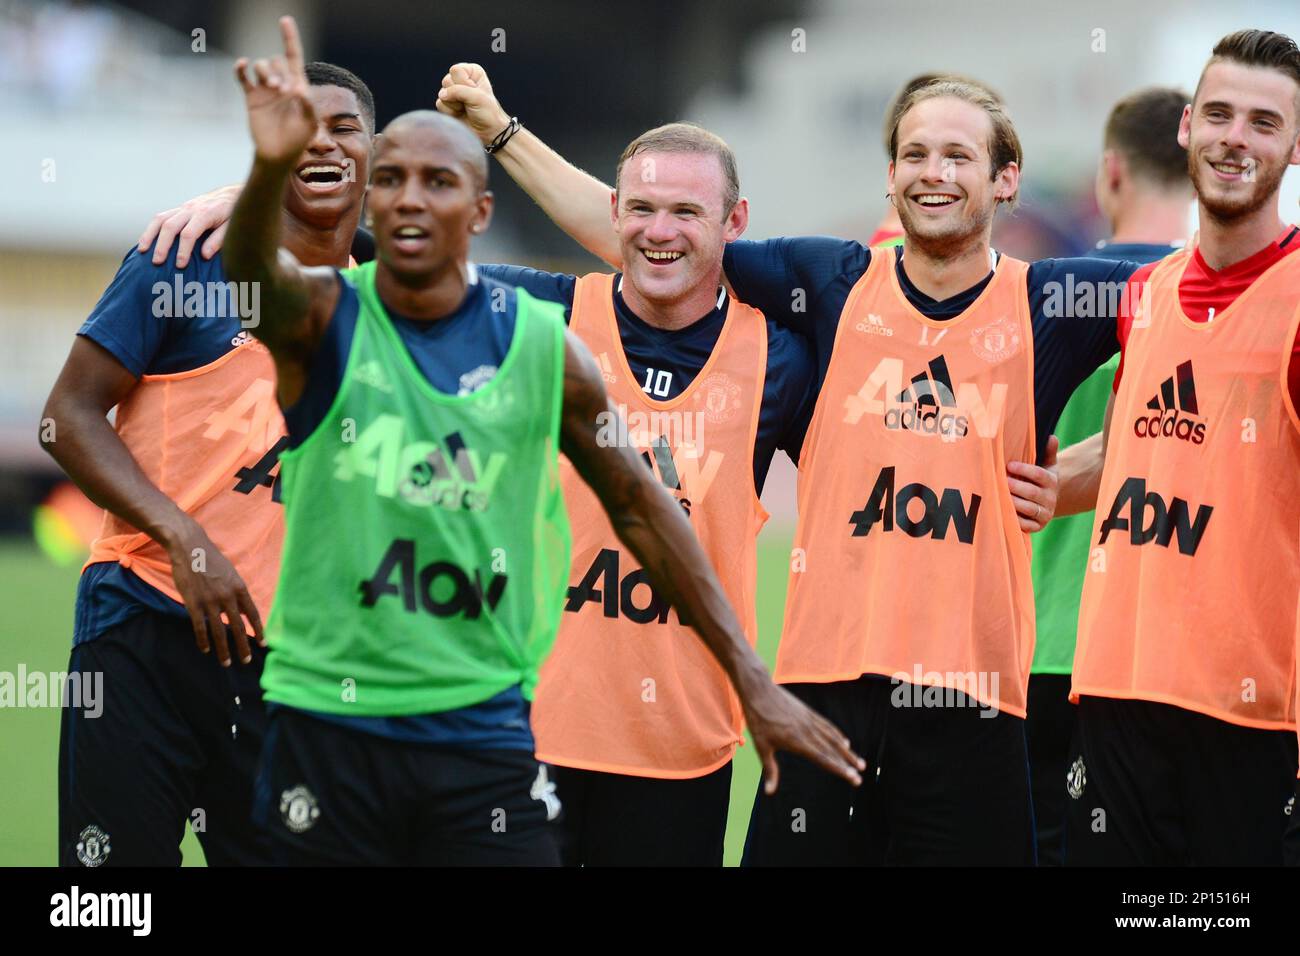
(457, 353)
(124, 322)
(788, 387)
(1067, 348)
(1143, 252)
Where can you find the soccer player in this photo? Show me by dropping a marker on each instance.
(1185, 669)
(1143, 191)
(191, 535)
(446, 589)
(911, 563)
(636, 719)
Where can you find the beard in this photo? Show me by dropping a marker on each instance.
(945, 240)
(1240, 204)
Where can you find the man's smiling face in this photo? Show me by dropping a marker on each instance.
(329, 179)
(1240, 134)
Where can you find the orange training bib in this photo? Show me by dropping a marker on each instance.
(209, 439)
(909, 558)
(628, 687)
(1190, 596)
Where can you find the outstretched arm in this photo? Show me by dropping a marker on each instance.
(1081, 466)
(185, 225)
(656, 531)
(577, 202)
(294, 302)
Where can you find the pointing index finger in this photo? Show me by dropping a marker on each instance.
(292, 45)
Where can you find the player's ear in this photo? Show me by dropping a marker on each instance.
(1185, 127)
(889, 193)
(1113, 168)
(613, 208)
(1007, 183)
(484, 205)
(737, 221)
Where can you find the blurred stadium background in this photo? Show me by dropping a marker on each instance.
(114, 111)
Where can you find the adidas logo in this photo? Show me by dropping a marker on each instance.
(243, 337)
(928, 404)
(606, 368)
(1172, 404)
(874, 325)
(372, 373)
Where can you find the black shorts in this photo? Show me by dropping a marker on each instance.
(1156, 785)
(178, 739)
(614, 819)
(329, 795)
(943, 786)
(1049, 729)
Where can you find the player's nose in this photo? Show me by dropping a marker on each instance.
(321, 141)
(936, 170)
(1235, 133)
(410, 198)
(661, 227)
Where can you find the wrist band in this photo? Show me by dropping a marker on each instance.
(503, 137)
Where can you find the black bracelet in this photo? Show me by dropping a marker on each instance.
(503, 137)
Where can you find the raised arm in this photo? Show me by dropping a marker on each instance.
(294, 302)
(1080, 470)
(576, 201)
(656, 531)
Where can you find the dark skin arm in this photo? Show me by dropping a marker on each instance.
(88, 448)
(295, 302)
(650, 523)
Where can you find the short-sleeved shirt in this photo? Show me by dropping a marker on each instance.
(129, 324)
(806, 281)
(788, 395)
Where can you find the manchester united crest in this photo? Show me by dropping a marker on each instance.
(996, 341)
(93, 847)
(1076, 779)
(299, 809)
(721, 395)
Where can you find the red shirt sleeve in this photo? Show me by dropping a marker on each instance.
(1124, 315)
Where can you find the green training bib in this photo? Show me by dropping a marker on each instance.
(426, 545)
(1061, 549)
